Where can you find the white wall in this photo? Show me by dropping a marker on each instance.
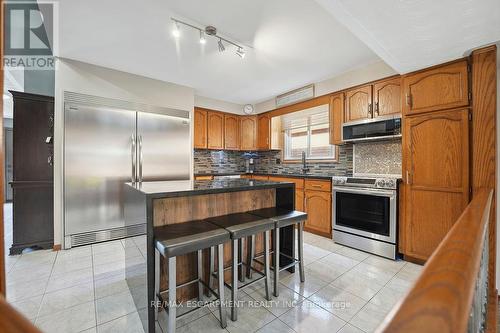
(215, 104)
(375, 71)
(84, 78)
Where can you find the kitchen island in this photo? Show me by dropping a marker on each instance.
(170, 202)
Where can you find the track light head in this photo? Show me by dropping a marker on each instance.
(221, 46)
(203, 40)
(176, 32)
(240, 52)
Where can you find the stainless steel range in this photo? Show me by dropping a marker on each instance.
(365, 214)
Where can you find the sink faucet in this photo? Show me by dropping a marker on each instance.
(305, 169)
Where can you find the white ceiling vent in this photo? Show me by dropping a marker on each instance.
(295, 96)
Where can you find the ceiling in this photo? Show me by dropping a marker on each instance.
(414, 34)
(295, 42)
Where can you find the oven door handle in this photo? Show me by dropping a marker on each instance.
(365, 191)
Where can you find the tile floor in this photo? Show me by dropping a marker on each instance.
(83, 290)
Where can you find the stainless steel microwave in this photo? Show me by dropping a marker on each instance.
(380, 128)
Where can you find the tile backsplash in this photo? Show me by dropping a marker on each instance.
(218, 161)
(224, 161)
(378, 158)
(267, 164)
(370, 158)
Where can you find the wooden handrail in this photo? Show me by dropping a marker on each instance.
(441, 298)
(12, 321)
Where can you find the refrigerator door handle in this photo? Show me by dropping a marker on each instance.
(134, 157)
(140, 159)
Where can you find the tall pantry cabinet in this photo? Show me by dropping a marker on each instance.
(435, 187)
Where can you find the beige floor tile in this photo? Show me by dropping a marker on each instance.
(369, 318)
(73, 319)
(205, 324)
(335, 259)
(69, 279)
(339, 302)
(252, 315)
(390, 266)
(327, 273)
(65, 298)
(276, 326)
(311, 284)
(358, 285)
(114, 306)
(373, 273)
(278, 305)
(308, 317)
(130, 323)
(29, 307)
(348, 328)
(24, 290)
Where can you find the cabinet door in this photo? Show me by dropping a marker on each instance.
(299, 200)
(440, 88)
(264, 132)
(318, 206)
(358, 103)
(231, 132)
(248, 131)
(336, 118)
(436, 172)
(215, 130)
(387, 97)
(200, 129)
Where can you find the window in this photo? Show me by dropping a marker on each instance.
(308, 131)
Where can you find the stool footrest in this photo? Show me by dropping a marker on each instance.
(213, 292)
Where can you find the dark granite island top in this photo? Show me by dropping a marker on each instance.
(168, 202)
(181, 188)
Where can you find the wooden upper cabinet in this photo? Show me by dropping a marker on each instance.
(358, 103)
(231, 132)
(200, 128)
(439, 88)
(436, 171)
(215, 130)
(336, 118)
(387, 97)
(264, 132)
(248, 132)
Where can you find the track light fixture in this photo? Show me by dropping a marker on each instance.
(210, 31)
(221, 46)
(176, 32)
(203, 40)
(240, 53)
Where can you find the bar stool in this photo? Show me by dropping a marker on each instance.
(282, 218)
(239, 226)
(177, 239)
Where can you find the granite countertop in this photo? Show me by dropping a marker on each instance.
(178, 188)
(290, 175)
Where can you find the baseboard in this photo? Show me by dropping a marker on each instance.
(18, 248)
(414, 260)
(56, 247)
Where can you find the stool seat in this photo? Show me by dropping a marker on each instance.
(181, 238)
(281, 216)
(242, 224)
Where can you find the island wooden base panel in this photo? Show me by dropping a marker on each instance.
(184, 209)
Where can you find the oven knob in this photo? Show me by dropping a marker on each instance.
(382, 183)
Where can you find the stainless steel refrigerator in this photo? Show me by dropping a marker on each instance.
(104, 147)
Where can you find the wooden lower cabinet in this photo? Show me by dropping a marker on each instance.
(436, 172)
(299, 200)
(318, 206)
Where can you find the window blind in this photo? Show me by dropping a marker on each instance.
(317, 115)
